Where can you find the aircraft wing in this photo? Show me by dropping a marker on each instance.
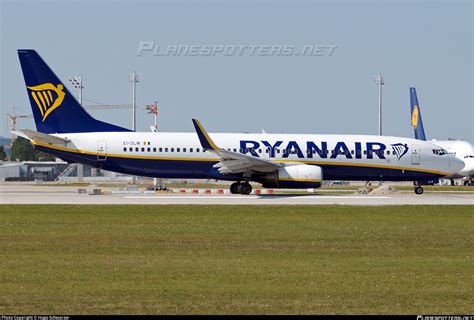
(233, 162)
(40, 137)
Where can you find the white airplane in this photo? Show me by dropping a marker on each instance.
(66, 130)
(462, 150)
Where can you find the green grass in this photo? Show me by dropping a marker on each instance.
(236, 259)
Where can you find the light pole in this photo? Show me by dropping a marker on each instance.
(380, 82)
(133, 77)
(77, 83)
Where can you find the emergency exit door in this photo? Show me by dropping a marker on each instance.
(415, 154)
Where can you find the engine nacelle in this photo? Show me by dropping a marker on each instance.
(298, 176)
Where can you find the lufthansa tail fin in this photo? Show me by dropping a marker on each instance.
(55, 110)
(416, 120)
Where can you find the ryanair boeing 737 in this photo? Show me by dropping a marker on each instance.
(66, 130)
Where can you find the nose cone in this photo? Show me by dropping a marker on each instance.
(456, 165)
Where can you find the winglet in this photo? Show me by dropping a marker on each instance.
(206, 141)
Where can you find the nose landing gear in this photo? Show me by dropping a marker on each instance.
(240, 188)
(419, 190)
(418, 187)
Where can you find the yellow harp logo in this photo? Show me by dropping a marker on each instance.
(414, 117)
(47, 97)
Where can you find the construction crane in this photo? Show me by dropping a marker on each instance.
(14, 117)
(108, 106)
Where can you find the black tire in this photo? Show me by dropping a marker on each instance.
(419, 190)
(245, 188)
(234, 188)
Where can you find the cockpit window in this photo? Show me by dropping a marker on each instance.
(468, 156)
(440, 152)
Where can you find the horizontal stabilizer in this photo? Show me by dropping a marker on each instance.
(40, 137)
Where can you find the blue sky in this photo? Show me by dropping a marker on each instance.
(413, 43)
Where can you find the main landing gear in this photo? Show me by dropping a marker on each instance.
(240, 188)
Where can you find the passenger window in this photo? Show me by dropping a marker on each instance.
(365, 151)
(125, 149)
(197, 149)
(184, 149)
(136, 149)
(352, 151)
(160, 149)
(154, 149)
(172, 149)
(143, 149)
(166, 149)
(177, 149)
(278, 150)
(130, 149)
(235, 150)
(148, 149)
(259, 150)
(190, 149)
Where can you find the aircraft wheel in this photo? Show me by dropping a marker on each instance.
(245, 188)
(234, 188)
(419, 190)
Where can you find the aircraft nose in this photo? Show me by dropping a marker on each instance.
(456, 165)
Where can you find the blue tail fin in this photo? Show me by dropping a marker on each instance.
(54, 108)
(416, 120)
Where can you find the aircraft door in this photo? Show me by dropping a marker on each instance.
(101, 150)
(415, 154)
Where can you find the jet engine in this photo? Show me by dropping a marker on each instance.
(293, 176)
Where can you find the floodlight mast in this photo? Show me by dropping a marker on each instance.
(379, 80)
(133, 78)
(77, 83)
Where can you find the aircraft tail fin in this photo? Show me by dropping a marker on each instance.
(55, 110)
(416, 120)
